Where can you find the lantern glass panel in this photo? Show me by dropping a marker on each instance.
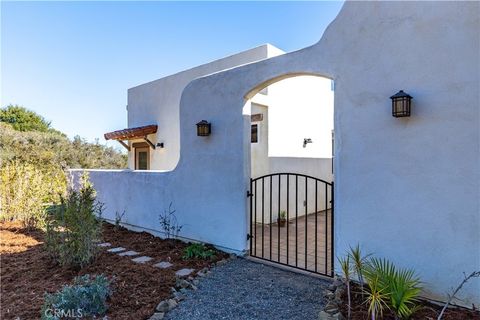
(401, 104)
(203, 128)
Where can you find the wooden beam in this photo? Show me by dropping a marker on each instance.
(131, 133)
(140, 145)
(149, 142)
(124, 144)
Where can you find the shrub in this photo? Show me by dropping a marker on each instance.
(53, 149)
(85, 298)
(26, 190)
(198, 251)
(73, 227)
(400, 286)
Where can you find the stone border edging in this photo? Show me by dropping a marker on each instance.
(333, 293)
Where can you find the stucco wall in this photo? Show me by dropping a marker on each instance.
(406, 189)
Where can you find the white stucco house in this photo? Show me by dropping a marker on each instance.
(405, 188)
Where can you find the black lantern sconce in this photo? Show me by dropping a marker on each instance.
(204, 128)
(401, 104)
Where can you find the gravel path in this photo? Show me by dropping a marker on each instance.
(241, 289)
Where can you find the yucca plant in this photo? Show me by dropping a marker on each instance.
(376, 298)
(358, 261)
(346, 269)
(401, 286)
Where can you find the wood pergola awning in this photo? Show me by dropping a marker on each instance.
(131, 134)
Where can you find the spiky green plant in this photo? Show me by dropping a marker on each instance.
(405, 288)
(358, 261)
(376, 298)
(346, 269)
(401, 286)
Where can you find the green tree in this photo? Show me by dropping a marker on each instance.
(23, 119)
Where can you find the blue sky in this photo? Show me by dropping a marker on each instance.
(73, 62)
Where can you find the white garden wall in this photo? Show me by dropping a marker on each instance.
(406, 189)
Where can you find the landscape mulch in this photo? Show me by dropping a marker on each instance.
(27, 271)
(427, 310)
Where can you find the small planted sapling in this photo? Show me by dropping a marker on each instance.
(118, 219)
(376, 298)
(73, 227)
(358, 261)
(169, 224)
(474, 274)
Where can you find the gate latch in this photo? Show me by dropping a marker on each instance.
(249, 194)
(249, 236)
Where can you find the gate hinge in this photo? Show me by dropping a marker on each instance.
(249, 194)
(249, 236)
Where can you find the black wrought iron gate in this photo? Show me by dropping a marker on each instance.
(291, 221)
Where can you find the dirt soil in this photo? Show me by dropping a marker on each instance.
(27, 272)
(427, 311)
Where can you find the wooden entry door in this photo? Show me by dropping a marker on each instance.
(142, 158)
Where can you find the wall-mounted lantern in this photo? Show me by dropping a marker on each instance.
(401, 104)
(204, 128)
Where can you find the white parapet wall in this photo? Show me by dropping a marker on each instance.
(158, 102)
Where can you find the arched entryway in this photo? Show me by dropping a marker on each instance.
(290, 211)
